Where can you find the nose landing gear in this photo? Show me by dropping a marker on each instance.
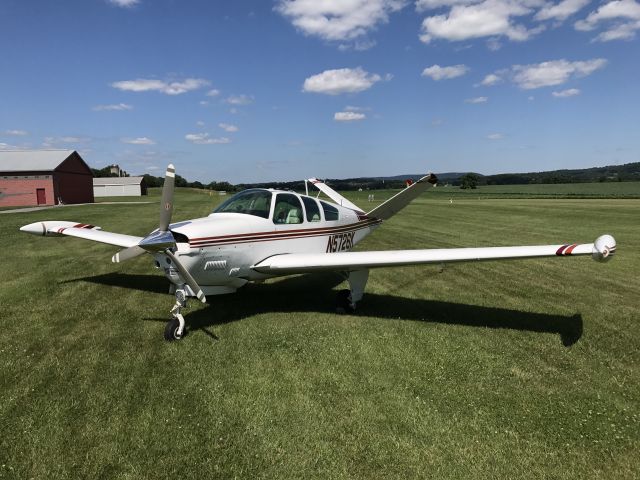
(174, 330)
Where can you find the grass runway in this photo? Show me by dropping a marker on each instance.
(516, 369)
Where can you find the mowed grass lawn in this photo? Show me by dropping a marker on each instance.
(519, 369)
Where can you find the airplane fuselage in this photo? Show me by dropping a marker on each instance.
(221, 249)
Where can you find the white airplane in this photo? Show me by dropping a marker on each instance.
(262, 233)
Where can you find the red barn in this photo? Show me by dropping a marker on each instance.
(44, 177)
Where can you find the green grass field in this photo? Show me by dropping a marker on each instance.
(520, 369)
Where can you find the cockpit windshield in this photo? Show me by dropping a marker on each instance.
(251, 202)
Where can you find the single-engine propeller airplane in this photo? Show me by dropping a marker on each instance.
(262, 233)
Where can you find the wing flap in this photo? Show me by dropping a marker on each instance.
(310, 262)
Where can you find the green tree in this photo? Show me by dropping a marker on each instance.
(470, 180)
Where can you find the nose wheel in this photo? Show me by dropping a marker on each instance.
(174, 330)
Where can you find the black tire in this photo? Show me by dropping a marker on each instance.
(343, 302)
(171, 331)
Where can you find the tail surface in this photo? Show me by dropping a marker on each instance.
(333, 195)
(396, 203)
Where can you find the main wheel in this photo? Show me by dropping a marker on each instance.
(171, 330)
(343, 302)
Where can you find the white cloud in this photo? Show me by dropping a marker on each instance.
(552, 73)
(489, 18)
(239, 100)
(359, 45)
(570, 92)
(624, 31)
(228, 127)
(112, 107)
(138, 141)
(205, 139)
(348, 116)
(169, 88)
(343, 80)
(200, 123)
(16, 133)
(491, 79)
(338, 20)
(213, 92)
(422, 5)
(622, 17)
(495, 136)
(50, 141)
(477, 100)
(560, 11)
(124, 3)
(440, 73)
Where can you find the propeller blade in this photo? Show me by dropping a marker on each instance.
(166, 204)
(186, 276)
(127, 254)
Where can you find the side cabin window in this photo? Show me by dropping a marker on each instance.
(330, 212)
(288, 209)
(312, 209)
(250, 202)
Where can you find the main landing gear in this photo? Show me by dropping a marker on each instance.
(174, 330)
(346, 299)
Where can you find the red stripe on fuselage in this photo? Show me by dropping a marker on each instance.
(282, 235)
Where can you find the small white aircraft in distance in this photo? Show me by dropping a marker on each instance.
(262, 233)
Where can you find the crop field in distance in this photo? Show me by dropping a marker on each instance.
(514, 369)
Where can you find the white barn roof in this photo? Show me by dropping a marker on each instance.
(118, 181)
(32, 160)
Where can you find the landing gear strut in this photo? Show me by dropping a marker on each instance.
(344, 304)
(346, 299)
(174, 330)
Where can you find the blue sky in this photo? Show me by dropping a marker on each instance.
(262, 90)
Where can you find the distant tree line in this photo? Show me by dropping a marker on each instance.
(612, 173)
(106, 172)
(180, 181)
(628, 172)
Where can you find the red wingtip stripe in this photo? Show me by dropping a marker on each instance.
(561, 249)
(570, 249)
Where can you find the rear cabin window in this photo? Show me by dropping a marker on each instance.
(312, 209)
(288, 209)
(330, 212)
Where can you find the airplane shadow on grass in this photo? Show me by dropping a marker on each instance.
(313, 293)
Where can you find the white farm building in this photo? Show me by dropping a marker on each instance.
(119, 187)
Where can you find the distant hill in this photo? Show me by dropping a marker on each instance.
(628, 172)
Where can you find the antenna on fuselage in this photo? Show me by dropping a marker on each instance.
(306, 188)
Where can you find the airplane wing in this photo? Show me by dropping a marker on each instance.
(602, 249)
(80, 230)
